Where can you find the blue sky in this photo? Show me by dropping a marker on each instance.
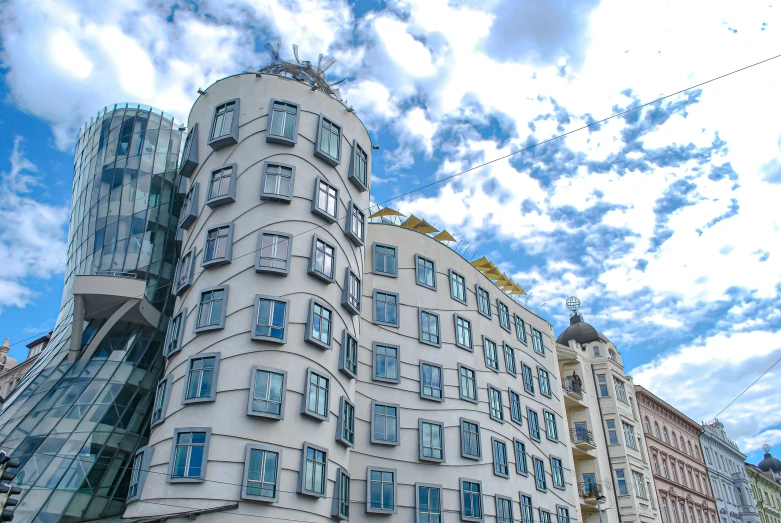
(663, 222)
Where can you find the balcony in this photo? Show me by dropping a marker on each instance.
(583, 443)
(589, 492)
(573, 393)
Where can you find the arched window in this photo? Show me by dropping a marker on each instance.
(683, 444)
(675, 440)
(647, 425)
(666, 436)
(656, 430)
(691, 451)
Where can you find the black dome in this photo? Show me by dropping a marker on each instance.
(770, 464)
(580, 331)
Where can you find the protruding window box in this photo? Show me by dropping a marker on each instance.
(277, 181)
(359, 168)
(189, 212)
(189, 159)
(325, 200)
(218, 246)
(222, 186)
(328, 144)
(351, 294)
(282, 126)
(225, 125)
(355, 224)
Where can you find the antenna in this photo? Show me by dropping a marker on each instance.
(527, 298)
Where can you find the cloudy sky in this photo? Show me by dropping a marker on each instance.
(664, 222)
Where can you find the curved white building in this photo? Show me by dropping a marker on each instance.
(320, 366)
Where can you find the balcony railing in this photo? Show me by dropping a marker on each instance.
(572, 386)
(590, 491)
(579, 435)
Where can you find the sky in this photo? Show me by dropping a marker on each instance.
(664, 222)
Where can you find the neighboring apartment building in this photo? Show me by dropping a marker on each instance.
(765, 481)
(728, 476)
(682, 483)
(604, 428)
(6, 364)
(12, 374)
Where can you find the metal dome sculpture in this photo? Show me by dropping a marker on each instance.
(302, 71)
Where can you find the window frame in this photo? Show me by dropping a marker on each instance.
(418, 259)
(541, 352)
(535, 425)
(168, 381)
(471, 347)
(274, 270)
(540, 372)
(523, 518)
(494, 442)
(179, 289)
(327, 158)
(280, 139)
(349, 274)
(563, 485)
(146, 452)
(560, 519)
(232, 137)
(204, 459)
(322, 213)
(461, 422)
(518, 470)
(190, 207)
(283, 401)
(513, 359)
(441, 426)
(396, 380)
(463, 515)
(487, 340)
(523, 339)
(510, 392)
(555, 425)
(229, 197)
(544, 487)
(369, 508)
(221, 325)
(430, 486)
(479, 288)
(500, 305)
(351, 175)
(343, 400)
(189, 158)
(182, 315)
(390, 443)
(264, 447)
(256, 310)
(228, 258)
(310, 324)
(216, 373)
(311, 268)
(272, 196)
(450, 273)
(421, 312)
(421, 364)
(528, 385)
(358, 241)
(476, 399)
(395, 273)
(343, 355)
(301, 486)
(336, 511)
(491, 389)
(498, 498)
(305, 398)
(374, 308)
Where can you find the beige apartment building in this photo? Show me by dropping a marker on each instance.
(12, 372)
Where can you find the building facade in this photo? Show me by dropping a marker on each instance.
(6, 364)
(604, 428)
(766, 491)
(322, 366)
(728, 476)
(12, 373)
(77, 417)
(682, 482)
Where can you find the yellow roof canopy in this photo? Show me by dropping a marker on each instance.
(412, 222)
(502, 280)
(488, 267)
(517, 289)
(482, 262)
(425, 227)
(493, 274)
(444, 236)
(385, 211)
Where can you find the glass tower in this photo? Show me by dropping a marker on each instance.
(81, 412)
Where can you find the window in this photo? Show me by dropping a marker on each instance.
(647, 425)
(270, 319)
(386, 308)
(504, 510)
(537, 342)
(345, 430)
(491, 354)
(385, 260)
(504, 315)
(457, 286)
(325, 202)
(656, 465)
(218, 248)
(467, 383)
(188, 455)
(546, 518)
(319, 325)
(691, 452)
(528, 379)
(639, 485)
(629, 436)
(161, 399)
(322, 260)
(282, 127)
(596, 350)
(621, 392)
(189, 159)
(428, 503)
(527, 514)
(470, 440)
(463, 332)
(534, 424)
(699, 483)
(329, 145)
(656, 431)
(557, 472)
(431, 386)
(666, 437)
(385, 423)
(184, 272)
(562, 515)
(173, 337)
(471, 500)
(509, 360)
(602, 382)
(359, 168)
(274, 252)
(355, 226)
(313, 475)
(139, 472)
(425, 272)
(501, 467)
(539, 474)
(348, 359)
(386, 362)
(316, 398)
(520, 329)
(225, 125)
(429, 328)
(483, 301)
(340, 507)
(683, 477)
(261, 473)
(520, 457)
(516, 412)
(267, 398)
(189, 212)
(664, 466)
(351, 295)
(496, 409)
(551, 430)
(276, 182)
(544, 379)
(202, 372)
(222, 186)
(381, 493)
(432, 440)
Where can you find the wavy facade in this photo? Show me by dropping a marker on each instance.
(78, 416)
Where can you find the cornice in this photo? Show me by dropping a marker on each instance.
(672, 451)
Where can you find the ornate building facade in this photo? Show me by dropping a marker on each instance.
(765, 482)
(12, 373)
(682, 482)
